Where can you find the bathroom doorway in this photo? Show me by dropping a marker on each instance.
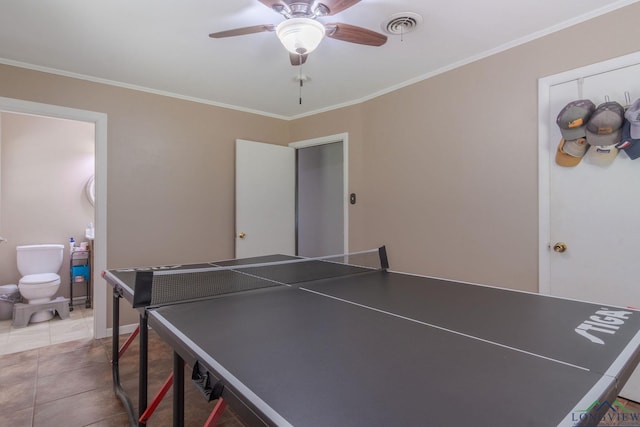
(47, 164)
(93, 125)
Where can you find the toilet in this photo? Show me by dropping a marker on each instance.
(39, 266)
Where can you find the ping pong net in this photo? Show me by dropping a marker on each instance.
(172, 286)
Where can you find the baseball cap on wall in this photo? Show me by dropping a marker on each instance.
(572, 119)
(602, 155)
(630, 146)
(605, 125)
(570, 152)
(633, 116)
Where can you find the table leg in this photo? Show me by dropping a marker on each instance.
(144, 365)
(115, 355)
(178, 390)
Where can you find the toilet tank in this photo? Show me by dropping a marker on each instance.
(36, 259)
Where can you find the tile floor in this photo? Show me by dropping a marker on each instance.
(79, 325)
(70, 384)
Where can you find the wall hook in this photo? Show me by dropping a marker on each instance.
(580, 85)
(627, 100)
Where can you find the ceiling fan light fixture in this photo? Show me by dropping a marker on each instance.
(300, 35)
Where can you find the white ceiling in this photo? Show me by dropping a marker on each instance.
(163, 46)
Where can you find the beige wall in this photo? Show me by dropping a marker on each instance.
(46, 164)
(170, 167)
(445, 170)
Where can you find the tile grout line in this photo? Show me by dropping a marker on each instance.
(35, 389)
(50, 331)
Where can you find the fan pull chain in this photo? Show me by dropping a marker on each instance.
(300, 96)
(300, 78)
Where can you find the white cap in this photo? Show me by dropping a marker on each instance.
(602, 155)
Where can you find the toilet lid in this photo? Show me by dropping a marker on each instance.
(39, 278)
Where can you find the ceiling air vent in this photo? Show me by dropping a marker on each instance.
(401, 23)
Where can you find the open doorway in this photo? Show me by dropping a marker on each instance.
(320, 200)
(99, 121)
(265, 201)
(46, 166)
(322, 196)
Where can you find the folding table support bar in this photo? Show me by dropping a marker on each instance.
(216, 413)
(156, 400)
(129, 340)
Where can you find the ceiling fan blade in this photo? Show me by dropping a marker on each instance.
(354, 34)
(297, 59)
(337, 6)
(242, 31)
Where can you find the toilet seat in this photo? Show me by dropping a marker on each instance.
(40, 279)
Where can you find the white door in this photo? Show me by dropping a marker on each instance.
(265, 199)
(594, 210)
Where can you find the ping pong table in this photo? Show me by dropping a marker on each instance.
(322, 342)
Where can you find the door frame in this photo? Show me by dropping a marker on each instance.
(11, 105)
(330, 139)
(544, 145)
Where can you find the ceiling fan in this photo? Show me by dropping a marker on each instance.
(301, 33)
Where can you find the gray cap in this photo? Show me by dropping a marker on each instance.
(572, 119)
(633, 116)
(605, 124)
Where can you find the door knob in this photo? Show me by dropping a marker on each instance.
(241, 235)
(560, 247)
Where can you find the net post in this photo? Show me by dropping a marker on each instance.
(384, 261)
(143, 287)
